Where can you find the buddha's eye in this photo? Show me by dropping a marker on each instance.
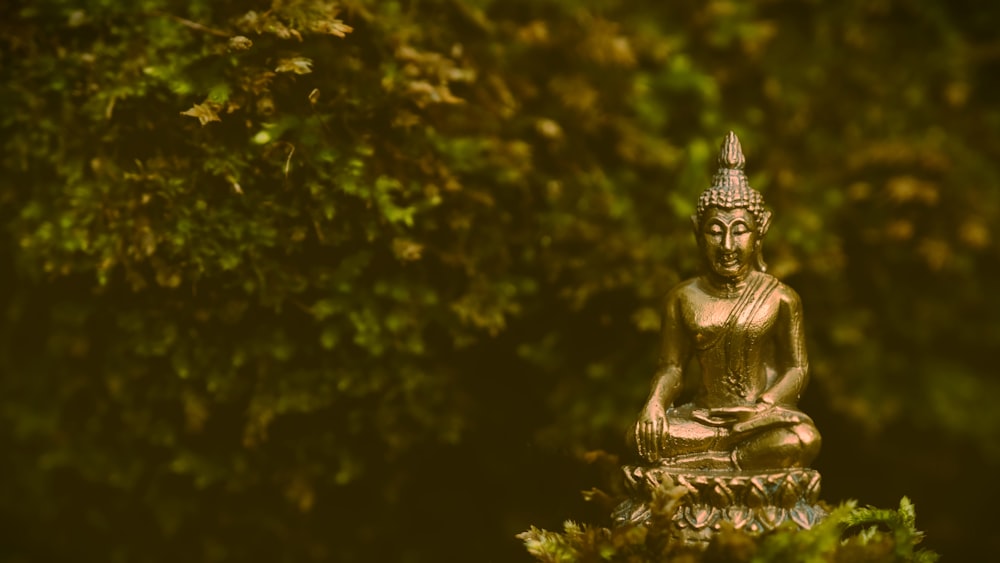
(740, 229)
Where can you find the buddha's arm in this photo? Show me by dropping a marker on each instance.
(790, 352)
(675, 349)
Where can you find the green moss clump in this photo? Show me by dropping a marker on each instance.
(847, 535)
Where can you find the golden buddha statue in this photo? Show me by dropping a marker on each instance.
(744, 327)
(740, 449)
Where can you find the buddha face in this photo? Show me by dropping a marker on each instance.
(728, 240)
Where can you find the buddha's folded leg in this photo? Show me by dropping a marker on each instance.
(778, 438)
(789, 445)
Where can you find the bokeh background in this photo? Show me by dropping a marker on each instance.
(378, 280)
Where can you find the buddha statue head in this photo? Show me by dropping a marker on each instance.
(731, 221)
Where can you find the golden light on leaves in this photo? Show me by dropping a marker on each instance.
(239, 43)
(427, 76)
(899, 229)
(549, 129)
(859, 190)
(902, 189)
(301, 493)
(424, 92)
(957, 93)
(331, 27)
(296, 65)
(204, 112)
(407, 250)
(974, 233)
(195, 411)
(935, 252)
(405, 119)
(535, 32)
(287, 20)
(575, 92)
(758, 36)
(605, 45)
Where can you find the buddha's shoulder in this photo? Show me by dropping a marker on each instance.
(688, 293)
(783, 292)
(685, 289)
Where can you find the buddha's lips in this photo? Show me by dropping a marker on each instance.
(731, 261)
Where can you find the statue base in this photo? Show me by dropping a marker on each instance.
(751, 501)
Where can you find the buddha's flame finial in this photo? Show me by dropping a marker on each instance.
(731, 154)
(730, 173)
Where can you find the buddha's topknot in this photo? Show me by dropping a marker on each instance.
(730, 188)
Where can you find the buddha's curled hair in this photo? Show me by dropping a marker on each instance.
(728, 197)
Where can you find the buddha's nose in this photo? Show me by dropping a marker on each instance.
(727, 242)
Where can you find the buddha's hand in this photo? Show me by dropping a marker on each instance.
(740, 413)
(649, 430)
(768, 416)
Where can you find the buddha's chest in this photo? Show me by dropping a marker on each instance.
(747, 319)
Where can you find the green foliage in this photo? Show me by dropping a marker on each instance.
(847, 534)
(631, 543)
(275, 268)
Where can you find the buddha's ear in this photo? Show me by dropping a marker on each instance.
(765, 222)
(694, 225)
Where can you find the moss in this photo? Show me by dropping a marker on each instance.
(848, 533)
